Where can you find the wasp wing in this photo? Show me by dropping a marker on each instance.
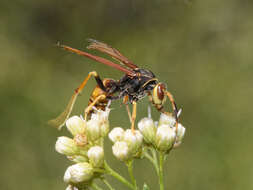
(98, 59)
(100, 46)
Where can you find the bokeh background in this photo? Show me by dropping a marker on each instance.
(201, 49)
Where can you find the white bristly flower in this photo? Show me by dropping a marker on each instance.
(102, 117)
(165, 137)
(81, 172)
(148, 129)
(76, 125)
(167, 120)
(93, 129)
(180, 134)
(120, 150)
(65, 145)
(96, 156)
(71, 187)
(117, 134)
(133, 140)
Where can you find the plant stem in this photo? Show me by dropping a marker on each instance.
(118, 177)
(94, 186)
(107, 184)
(146, 154)
(130, 171)
(154, 156)
(161, 156)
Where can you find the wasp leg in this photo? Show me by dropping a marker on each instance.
(97, 78)
(87, 110)
(133, 115)
(174, 106)
(61, 119)
(129, 113)
(125, 100)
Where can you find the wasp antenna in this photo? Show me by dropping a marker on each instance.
(149, 112)
(109, 103)
(179, 112)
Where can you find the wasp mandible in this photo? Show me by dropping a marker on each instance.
(133, 86)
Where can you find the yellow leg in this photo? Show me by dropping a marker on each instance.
(61, 119)
(133, 115)
(125, 100)
(79, 89)
(129, 113)
(87, 110)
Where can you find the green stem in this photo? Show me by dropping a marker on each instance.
(118, 177)
(154, 155)
(107, 184)
(130, 171)
(94, 186)
(161, 171)
(152, 160)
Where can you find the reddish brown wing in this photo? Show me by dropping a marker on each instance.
(94, 44)
(98, 59)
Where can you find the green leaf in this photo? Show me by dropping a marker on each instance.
(145, 187)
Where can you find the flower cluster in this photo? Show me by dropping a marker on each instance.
(127, 144)
(85, 148)
(162, 135)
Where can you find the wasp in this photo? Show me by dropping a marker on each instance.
(135, 84)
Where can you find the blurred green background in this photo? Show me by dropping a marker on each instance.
(201, 49)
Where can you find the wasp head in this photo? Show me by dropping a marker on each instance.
(159, 94)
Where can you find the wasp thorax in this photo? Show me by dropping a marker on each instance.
(159, 95)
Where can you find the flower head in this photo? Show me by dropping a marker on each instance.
(76, 125)
(167, 120)
(120, 150)
(65, 145)
(165, 137)
(96, 156)
(117, 134)
(81, 172)
(148, 129)
(93, 130)
(133, 140)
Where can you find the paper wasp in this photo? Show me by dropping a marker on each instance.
(133, 86)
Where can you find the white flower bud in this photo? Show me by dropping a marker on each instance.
(65, 145)
(167, 120)
(81, 172)
(148, 129)
(102, 117)
(96, 156)
(165, 137)
(133, 140)
(180, 134)
(71, 187)
(117, 134)
(93, 130)
(76, 125)
(77, 158)
(120, 150)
